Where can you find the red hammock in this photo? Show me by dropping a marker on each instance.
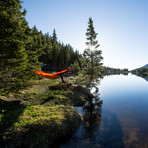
(52, 76)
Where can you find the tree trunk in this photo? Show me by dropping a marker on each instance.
(92, 67)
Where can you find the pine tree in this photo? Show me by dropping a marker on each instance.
(57, 54)
(13, 37)
(54, 35)
(55, 49)
(67, 56)
(34, 48)
(92, 55)
(61, 56)
(46, 57)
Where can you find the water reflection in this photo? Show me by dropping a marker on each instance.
(86, 135)
(97, 130)
(92, 107)
(127, 99)
(145, 78)
(142, 75)
(120, 122)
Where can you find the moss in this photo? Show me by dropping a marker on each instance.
(69, 94)
(41, 126)
(56, 94)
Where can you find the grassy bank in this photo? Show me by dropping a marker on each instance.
(41, 114)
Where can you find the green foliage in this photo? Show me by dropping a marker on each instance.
(44, 115)
(23, 50)
(38, 125)
(91, 35)
(9, 113)
(57, 54)
(81, 78)
(51, 92)
(75, 68)
(143, 72)
(14, 57)
(45, 112)
(113, 71)
(92, 56)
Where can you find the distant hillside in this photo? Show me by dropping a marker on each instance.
(145, 66)
(142, 71)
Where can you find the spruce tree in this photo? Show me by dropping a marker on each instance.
(54, 35)
(55, 49)
(61, 56)
(13, 37)
(92, 55)
(34, 49)
(46, 57)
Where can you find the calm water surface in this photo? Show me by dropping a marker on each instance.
(122, 120)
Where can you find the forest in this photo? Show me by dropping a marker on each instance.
(24, 49)
(143, 72)
(115, 71)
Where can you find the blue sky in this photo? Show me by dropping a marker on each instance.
(122, 26)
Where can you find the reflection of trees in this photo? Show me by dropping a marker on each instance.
(141, 74)
(145, 78)
(92, 111)
(92, 107)
(92, 114)
(115, 71)
(97, 131)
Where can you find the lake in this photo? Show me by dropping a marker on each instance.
(122, 121)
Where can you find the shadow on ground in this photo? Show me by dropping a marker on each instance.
(9, 113)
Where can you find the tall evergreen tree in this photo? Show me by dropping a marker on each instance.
(13, 37)
(34, 49)
(46, 57)
(92, 55)
(55, 49)
(54, 35)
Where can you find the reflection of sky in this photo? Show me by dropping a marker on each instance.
(120, 93)
(127, 98)
(122, 87)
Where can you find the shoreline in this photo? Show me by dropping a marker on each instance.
(43, 115)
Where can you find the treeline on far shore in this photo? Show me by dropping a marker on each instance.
(143, 72)
(114, 71)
